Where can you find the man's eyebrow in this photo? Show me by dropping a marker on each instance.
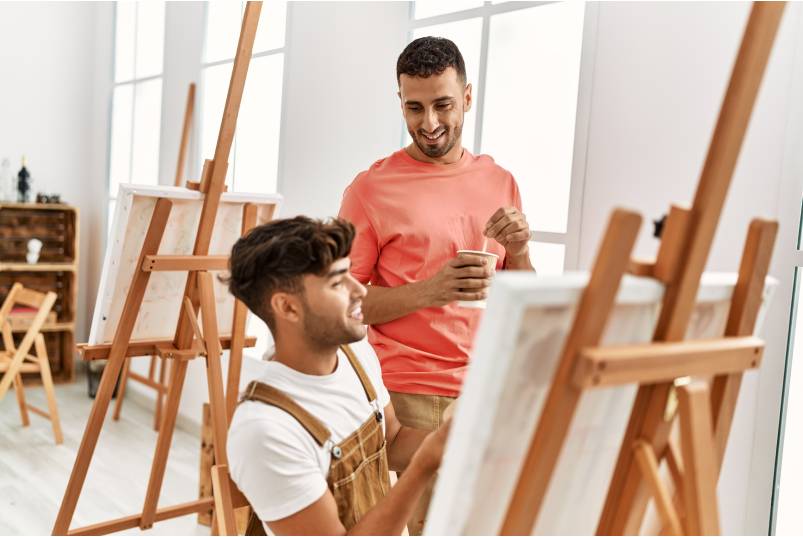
(336, 272)
(445, 98)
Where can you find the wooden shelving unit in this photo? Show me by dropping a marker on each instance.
(56, 225)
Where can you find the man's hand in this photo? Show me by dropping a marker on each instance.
(465, 277)
(508, 226)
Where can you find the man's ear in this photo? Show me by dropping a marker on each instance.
(468, 100)
(286, 306)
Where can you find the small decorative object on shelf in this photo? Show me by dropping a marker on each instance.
(23, 184)
(41, 197)
(8, 185)
(34, 247)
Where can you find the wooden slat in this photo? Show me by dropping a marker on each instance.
(155, 263)
(145, 347)
(30, 298)
(185, 134)
(591, 316)
(700, 470)
(147, 382)
(648, 464)
(670, 252)
(238, 327)
(627, 496)
(745, 305)
(132, 521)
(655, 362)
(206, 463)
(224, 510)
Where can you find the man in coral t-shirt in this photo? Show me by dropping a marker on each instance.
(413, 211)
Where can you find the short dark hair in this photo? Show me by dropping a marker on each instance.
(275, 256)
(427, 56)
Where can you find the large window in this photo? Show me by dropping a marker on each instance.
(137, 95)
(523, 61)
(254, 159)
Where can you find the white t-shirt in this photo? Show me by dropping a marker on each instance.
(274, 461)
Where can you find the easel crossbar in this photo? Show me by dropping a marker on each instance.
(147, 347)
(664, 362)
(133, 521)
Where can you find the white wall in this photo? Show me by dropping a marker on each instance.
(341, 109)
(52, 57)
(660, 73)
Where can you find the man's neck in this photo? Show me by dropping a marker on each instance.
(451, 157)
(298, 354)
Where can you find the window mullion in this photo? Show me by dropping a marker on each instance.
(480, 89)
(133, 99)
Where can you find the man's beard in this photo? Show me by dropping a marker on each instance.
(323, 332)
(437, 152)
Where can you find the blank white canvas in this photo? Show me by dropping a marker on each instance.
(158, 315)
(517, 350)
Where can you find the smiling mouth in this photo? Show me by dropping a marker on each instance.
(431, 138)
(356, 313)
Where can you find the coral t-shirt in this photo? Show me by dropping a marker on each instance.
(411, 218)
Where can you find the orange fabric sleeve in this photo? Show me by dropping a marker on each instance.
(365, 248)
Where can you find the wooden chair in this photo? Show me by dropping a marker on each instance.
(15, 360)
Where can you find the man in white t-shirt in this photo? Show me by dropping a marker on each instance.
(311, 443)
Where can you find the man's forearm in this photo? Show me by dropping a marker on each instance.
(404, 446)
(385, 304)
(390, 515)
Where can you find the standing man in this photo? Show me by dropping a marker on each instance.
(413, 211)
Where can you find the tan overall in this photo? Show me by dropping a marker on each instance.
(358, 474)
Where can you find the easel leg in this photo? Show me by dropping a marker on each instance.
(207, 461)
(50, 392)
(700, 476)
(118, 405)
(20, 390)
(179, 373)
(160, 395)
(214, 375)
(111, 372)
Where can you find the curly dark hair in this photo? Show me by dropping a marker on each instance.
(427, 56)
(275, 256)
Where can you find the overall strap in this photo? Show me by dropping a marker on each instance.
(364, 380)
(257, 391)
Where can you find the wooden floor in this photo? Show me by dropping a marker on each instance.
(34, 471)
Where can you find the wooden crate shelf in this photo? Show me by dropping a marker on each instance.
(56, 225)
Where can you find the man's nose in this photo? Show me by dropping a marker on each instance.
(358, 289)
(430, 121)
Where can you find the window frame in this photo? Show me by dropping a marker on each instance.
(198, 124)
(570, 239)
(133, 82)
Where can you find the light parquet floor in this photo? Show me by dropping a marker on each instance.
(34, 471)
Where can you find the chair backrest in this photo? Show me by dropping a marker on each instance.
(42, 302)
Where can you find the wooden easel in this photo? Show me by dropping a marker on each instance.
(190, 339)
(160, 386)
(705, 413)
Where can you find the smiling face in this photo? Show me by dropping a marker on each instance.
(331, 307)
(434, 108)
